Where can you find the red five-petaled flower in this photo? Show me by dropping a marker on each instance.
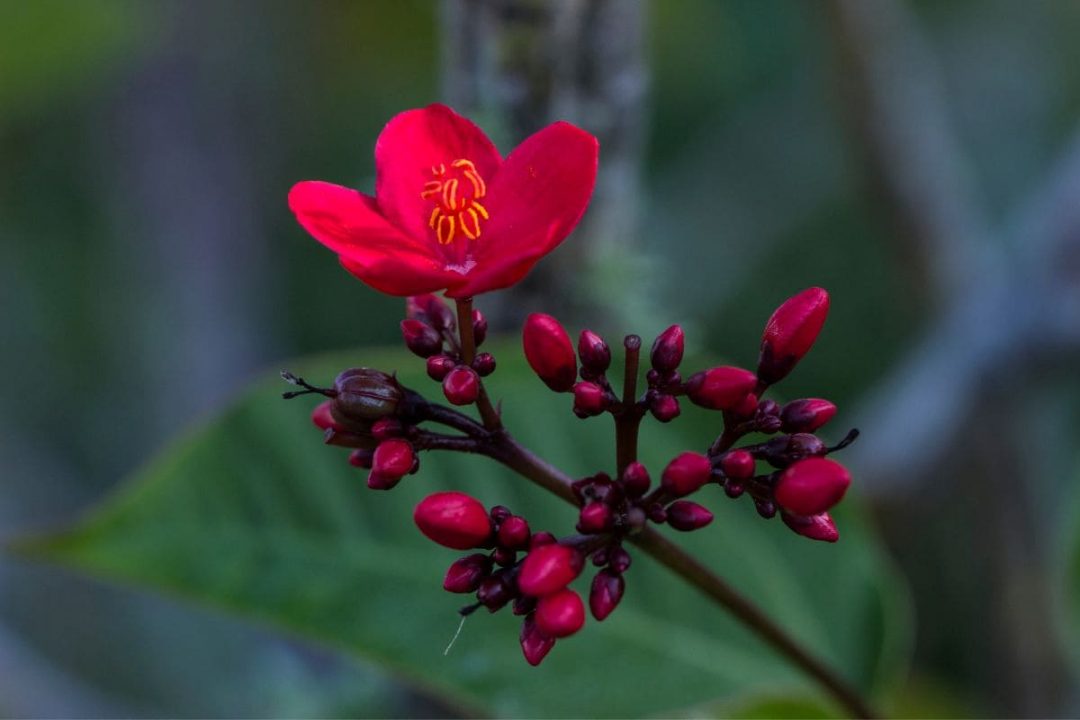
(449, 213)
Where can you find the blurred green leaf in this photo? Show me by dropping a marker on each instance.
(253, 514)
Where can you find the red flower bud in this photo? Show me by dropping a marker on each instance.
(791, 332)
(816, 527)
(484, 364)
(806, 416)
(393, 458)
(466, 574)
(746, 406)
(549, 568)
(386, 428)
(461, 386)
(322, 418)
(494, 592)
(606, 592)
(619, 560)
(560, 614)
(686, 474)
(421, 338)
(665, 408)
(439, 366)
(738, 464)
(686, 516)
(595, 517)
(720, 388)
(432, 310)
(667, 349)
(514, 533)
(361, 458)
(540, 539)
(594, 352)
(549, 352)
(589, 399)
(479, 327)
(453, 520)
(535, 644)
(812, 486)
(635, 479)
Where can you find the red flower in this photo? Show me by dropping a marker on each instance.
(449, 213)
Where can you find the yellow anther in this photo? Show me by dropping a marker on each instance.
(434, 217)
(445, 230)
(473, 232)
(480, 209)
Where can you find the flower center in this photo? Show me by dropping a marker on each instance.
(456, 192)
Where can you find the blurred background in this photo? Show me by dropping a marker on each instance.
(921, 160)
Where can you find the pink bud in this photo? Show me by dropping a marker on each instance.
(549, 568)
(595, 517)
(453, 520)
(439, 366)
(816, 527)
(791, 332)
(393, 458)
(807, 415)
(720, 388)
(461, 386)
(746, 406)
(386, 428)
(686, 516)
(514, 533)
(667, 349)
(686, 474)
(738, 464)
(812, 486)
(484, 364)
(665, 408)
(541, 538)
(589, 399)
(560, 614)
(535, 644)
(421, 338)
(606, 592)
(619, 560)
(322, 418)
(479, 327)
(430, 309)
(361, 458)
(635, 479)
(549, 352)
(466, 574)
(594, 352)
(378, 481)
(494, 592)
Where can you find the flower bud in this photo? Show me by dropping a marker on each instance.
(807, 415)
(514, 533)
(787, 449)
(635, 479)
(595, 517)
(686, 516)
(746, 407)
(465, 574)
(386, 428)
(589, 399)
(665, 408)
(765, 508)
(461, 386)
(341, 438)
(549, 352)
(790, 333)
(686, 474)
(524, 604)
(499, 513)
(479, 327)
(364, 394)
(439, 366)
(393, 458)
(421, 338)
(361, 458)
(620, 560)
(322, 418)
(812, 486)
(738, 464)
(484, 364)
(535, 644)
(594, 352)
(816, 527)
(540, 539)
(667, 349)
(453, 520)
(378, 481)
(430, 309)
(504, 557)
(494, 592)
(549, 568)
(720, 388)
(606, 592)
(560, 614)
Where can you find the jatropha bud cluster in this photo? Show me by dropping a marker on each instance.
(508, 564)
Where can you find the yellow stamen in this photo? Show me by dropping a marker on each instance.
(445, 231)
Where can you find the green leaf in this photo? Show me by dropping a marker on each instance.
(253, 514)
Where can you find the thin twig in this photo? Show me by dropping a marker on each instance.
(468, 354)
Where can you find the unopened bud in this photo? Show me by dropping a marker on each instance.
(807, 415)
(540, 539)
(787, 449)
(560, 614)
(386, 428)
(816, 527)
(667, 349)
(720, 388)
(535, 643)
(378, 481)
(549, 352)
(361, 458)
(432, 310)
(765, 508)
(454, 520)
(322, 418)
(686, 474)
(606, 592)
(364, 394)
(665, 408)
(514, 533)
(494, 592)
(484, 364)
(595, 517)
(738, 464)
(439, 366)
(393, 458)
(635, 480)
(594, 352)
(461, 386)
(686, 516)
(479, 327)
(812, 486)
(620, 560)
(465, 575)
(549, 568)
(747, 407)
(421, 338)
(790, 333)
(589, 399)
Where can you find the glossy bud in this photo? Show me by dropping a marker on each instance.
(812, 486)
(619, 560)
(549, 352)
(791, 332)
(635, 479)
(816, 527)
(667, 349)
(514, 533)
(453, 520)
(686, 474)
(594, 352)
(549, 568)
(720, 388)
(607, 590)
(738, 464)
(432, 310)
(484, 364)
(589, 399)
(439, 366)
(665, 408)
(386, 428)
(494, 592)
(323, 418)
(461, 386)
(393, 458)
(466, 574)
(686, 516)
(479, 327)
(540, 539)
(421, 338)
(595, 517)
(807, 415)
(364, 394)
(535, 643)
(560, 614)
(378, 481)
(361, 458)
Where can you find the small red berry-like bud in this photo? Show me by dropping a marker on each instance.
(535, 643)
(549, 568)
(514, 533)
(484, 364)
(499, 513)
(720, 388)
(363, 394)
(657, 513)
(322, 418)
(461, 386)
(386, 428)
(540, 539)
(812, 486)
(432, 310)
(765, 508)
(361, 458)
(665, 408)
(667, 349)
(549, 352)
(790, 333)
(620, 560)
(560, 614)
(746, 407)
(494, 592)
(466, 574)
(504, 557)
(595, 517)
(453, 520)
(738, 464)
(807, 415)
(479, 327)
(686, 474)
(421, 338)
(524, 604)
(439, 366)
(606, 592)
(734, 489)
(635, 479)
(686, 516)
(816, 527)
(589, 399)
(378, 481)
(594, 352)
(393, 458)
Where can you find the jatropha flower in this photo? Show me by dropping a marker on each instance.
(449, 213)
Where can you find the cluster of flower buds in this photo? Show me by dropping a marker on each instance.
(429, 332)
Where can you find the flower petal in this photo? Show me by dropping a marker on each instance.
(535, 201)
(400, 274)
(409, 146)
